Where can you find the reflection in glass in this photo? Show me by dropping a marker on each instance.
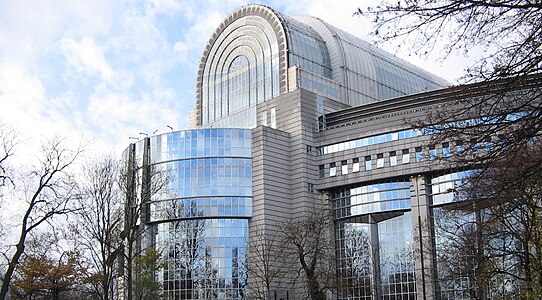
(363, 199)
(476, 256)
(201, 220)
(205, 258)
(376, 257)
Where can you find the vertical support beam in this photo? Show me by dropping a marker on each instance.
(423, 242)
(147, 238)
(375, 257)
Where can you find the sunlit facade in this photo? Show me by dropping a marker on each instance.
(257, 54)
(199, 221)
(292, 115)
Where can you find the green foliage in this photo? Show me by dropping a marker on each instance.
(145, 285)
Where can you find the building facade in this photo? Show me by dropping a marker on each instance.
(199, 220)
(294, 115)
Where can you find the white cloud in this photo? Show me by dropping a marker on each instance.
(25, 106)
(86, 57)
(196, 36)
(22, 95)
(116, 116)
(29, 29)
(155, 7)
(113, 69)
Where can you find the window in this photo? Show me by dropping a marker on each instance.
(355, 166)
(322, 171)
(380, 160)
(474, 146)
(406, 156)
(419, 154)
(321, 124)
(273, 118)
(264, 118)
(432, 152)
(309, 149)
(310, 187)
(446, 152)
(344, 167)
(488, 144)
(332, 169)
(459, 148)
(319, 105)
(393, 159)
(368, 165)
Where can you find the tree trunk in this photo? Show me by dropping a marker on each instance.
(481, 263)
(129, 278)
(6, 280)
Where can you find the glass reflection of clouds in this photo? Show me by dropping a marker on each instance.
(374, 241)
(363, 199)
(201, 219)
(376, 254)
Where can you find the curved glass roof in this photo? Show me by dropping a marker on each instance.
(247, 58)
(367, 70)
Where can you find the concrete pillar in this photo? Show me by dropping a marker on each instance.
(423, 242)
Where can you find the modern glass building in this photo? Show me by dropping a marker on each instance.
(257, 54)
(324, 127)
(199, 221)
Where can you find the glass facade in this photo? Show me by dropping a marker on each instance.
(201, 219)
(364, 199)
(447, 188)
(242, 69)
(248, 57)
(472, 260)
(376, 257)
(307, 49)
(367, 141)
(366, 73)
(375, 241)
(476, 254)
(200, 222)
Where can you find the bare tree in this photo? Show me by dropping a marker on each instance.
(463, 268)
(489, 237)
(513, 217)
(503, 113)
(310, 237)
(510, 31)
(99, 220)
(44, 192)
(266, 264)
(8, 141)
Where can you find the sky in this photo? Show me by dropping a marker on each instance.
(111, 71)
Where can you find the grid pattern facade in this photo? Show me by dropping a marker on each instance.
(371, 74)
(365, 199)
(376, 259)
(201, 218)
(307, 49)
(374, 241)
(455, 227)
(247, 60)
(204, 258)
(242, 68)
